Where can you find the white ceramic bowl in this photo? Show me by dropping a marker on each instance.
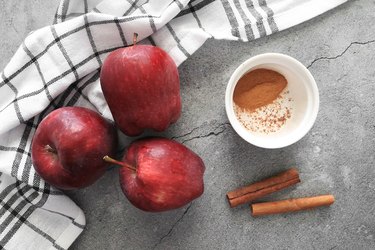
(302, 89)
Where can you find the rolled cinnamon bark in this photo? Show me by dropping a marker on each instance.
(262, 188)
(291, 205)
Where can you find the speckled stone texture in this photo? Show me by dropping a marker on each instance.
(337, 156)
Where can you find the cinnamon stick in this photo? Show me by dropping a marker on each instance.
(262, 188)
(291, 205)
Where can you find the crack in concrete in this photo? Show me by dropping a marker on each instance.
(341, 77)
(213, 132)
(172, 227)
(223, 125)
(188, 133)
(14, 28)
(339, 55)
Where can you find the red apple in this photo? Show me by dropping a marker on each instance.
(159, 174)
(141, 86)
(68, 147)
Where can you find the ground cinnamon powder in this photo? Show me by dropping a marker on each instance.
(258, 88)
(261, 101)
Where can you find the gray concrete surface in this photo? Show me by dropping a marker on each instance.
(336, 156)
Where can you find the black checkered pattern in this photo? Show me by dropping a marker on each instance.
(59, 66)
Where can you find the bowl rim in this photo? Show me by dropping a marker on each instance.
(245, 67)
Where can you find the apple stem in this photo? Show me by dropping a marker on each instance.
(135, 36)
(122, 164)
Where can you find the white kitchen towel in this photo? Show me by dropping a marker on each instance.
(59, 65)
